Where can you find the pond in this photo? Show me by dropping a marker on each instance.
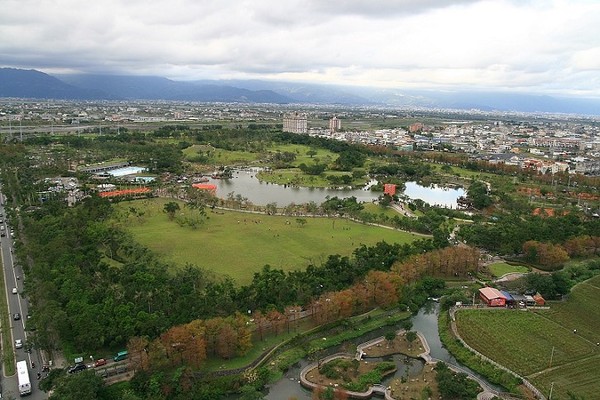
(434, 195)
(246, 184)
(425, 321)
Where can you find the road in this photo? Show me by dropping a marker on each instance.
(17, 303)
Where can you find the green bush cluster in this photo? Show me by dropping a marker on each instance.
(371, 378)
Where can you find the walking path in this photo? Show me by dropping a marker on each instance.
(487, 394)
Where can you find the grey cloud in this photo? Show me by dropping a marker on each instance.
(383, 8)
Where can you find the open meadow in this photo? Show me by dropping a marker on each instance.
(239, 244)
(502, 268)
(557, 346)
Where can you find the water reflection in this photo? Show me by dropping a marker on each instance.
(246, 184)
(434, 195)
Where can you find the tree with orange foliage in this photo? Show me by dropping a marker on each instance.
(137, 347)
(241, 324)
(227, 342)
(195, 344)
(276, 321)
(211, 333)
(383, 288)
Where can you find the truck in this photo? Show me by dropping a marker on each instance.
(23, 376)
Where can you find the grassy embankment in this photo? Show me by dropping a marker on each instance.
(542, 345)
(502, 268)
(239, 244)
(8, 355)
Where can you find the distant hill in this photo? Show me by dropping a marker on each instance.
(34, 84)
(157, 88)
(22, 83)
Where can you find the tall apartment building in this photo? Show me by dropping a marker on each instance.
(335, 124)
(295, 123)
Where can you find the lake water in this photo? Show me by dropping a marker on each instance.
(246, 184)
(434, 195)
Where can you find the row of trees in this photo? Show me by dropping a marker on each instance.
(508, 233)
(553, 255)
(190, 343)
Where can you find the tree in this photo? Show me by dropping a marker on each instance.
(389, 337)
(411, 336)
(84, 385)
(171, 208)
(227, 342)
(249, 392)
(453, 385)
(301, 222)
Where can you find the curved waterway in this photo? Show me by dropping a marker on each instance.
(425, 321)
(246, 184)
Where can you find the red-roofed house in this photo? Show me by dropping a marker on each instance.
(492, 297)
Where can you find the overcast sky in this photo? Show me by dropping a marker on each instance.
(536, 46)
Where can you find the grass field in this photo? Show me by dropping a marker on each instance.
(239, 244)
(524, 341)
(502, 268)
(8, 355)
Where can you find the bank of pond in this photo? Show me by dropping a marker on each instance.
(399, 366)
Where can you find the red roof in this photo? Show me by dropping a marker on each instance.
(124, 192)
(491, 293)
(205, 186)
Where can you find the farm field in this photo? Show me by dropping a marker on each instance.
(524, 341)
(239, 244)
(501, 268)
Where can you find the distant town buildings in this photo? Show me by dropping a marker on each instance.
(295, 123)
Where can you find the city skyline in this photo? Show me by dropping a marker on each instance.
(542, 47)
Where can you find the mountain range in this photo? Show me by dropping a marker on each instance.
(20, 83)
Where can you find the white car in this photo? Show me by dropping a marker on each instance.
(18, 343)
(15, 291)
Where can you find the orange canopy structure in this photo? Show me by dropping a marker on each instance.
(125, 192)
(206, 186)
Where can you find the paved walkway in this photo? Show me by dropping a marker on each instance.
(487, 394)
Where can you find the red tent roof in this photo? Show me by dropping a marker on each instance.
(491, 293)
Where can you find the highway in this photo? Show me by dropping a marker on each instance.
(17, 303)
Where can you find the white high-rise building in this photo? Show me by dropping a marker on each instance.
(295, 123)
(335, 124)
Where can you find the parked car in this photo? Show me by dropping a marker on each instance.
(100, 362)
(18, 343)
(76, 368)
(16, 316)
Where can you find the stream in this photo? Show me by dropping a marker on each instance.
(425, 321)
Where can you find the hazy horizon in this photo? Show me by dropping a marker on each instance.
(536, 46)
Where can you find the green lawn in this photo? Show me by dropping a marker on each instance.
(8, 355)
(523, 341)
(502, 268)
(322, 155)
(220, 156)
(294, 176)
(239, 244)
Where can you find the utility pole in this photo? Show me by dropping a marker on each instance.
(551, 357)
(551, 387)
